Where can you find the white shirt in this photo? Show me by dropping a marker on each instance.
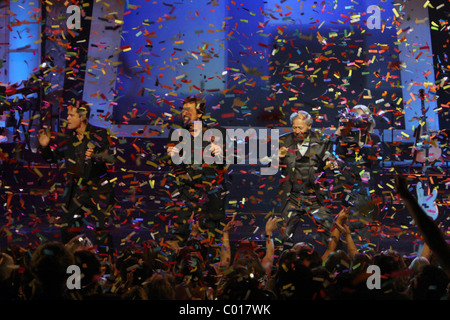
(303, 147)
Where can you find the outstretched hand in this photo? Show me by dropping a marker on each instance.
(271, 224)
(195, 225)
(343, 228)
(342, 215)
(230, 224)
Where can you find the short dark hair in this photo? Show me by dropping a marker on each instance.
(83, 108)
(200, 104)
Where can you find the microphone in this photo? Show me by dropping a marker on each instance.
(87, 165)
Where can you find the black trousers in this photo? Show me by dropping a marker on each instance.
(301, 205)
(208, 209)
(363, 210)
(83, 207)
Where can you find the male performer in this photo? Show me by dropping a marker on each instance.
(358, 148)
(200, 188)
(86, 150)
(304, 157)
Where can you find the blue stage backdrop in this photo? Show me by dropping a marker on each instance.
(257, 61)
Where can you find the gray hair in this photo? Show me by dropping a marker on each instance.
(368, 113)
(302, 115)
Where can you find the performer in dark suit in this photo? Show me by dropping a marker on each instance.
(199, 188)
(86, 150)
(304, 157)
(358, 148)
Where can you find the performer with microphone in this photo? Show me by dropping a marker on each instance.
(358, 148)
(200, 189)
(304, 157)
(86, 151)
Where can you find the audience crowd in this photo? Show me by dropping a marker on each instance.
(202, 269)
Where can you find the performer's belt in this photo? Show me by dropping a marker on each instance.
(300, 189)
(304, 197)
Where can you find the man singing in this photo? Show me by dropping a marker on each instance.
(86, 150)
(304, 156)
(199, 188)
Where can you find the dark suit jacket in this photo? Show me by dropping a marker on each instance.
(202, 184)
(315, 157)
(93, 172)
(369, 153)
